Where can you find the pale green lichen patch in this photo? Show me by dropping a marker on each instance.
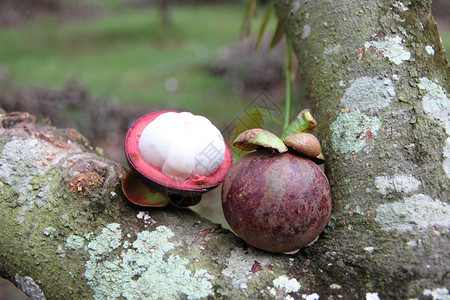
(369, 93)
(29, 287)
(435, 99)
(49, 231)
(22, 168)
(107, 241)
(331, 49)
(240, 264)
(436, 105)
(435, 102)
(392, 48)
(147, 270)
(75, 242)
(145, 217)
(438, 293)
(295, 6)
(306, 31)
(369, 249)
(418, 212)
(313, 296)
(401, 5)
(429, 49)
(14, 155)
(398, 183)
(355, 210)
(352, 130)
(446, 163)
(372, 296)
(287, 285)
(335, 286)
(19, 161)
(60, 251)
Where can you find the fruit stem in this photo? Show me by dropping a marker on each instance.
(288, 77)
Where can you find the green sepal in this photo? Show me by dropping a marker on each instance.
(254, 138)
(262, 29)
(303, 123)
(278, 35)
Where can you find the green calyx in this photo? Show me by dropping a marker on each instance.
(254, 138)
(304, 143)
(296, 136)
(304, 122)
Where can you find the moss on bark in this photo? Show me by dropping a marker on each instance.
(69, 232)
(363, 63)
(377, 73)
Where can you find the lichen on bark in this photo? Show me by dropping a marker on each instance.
(68, 225)
(70, 233)
(374, 94)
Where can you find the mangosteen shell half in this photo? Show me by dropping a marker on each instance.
(276, 202)
(181, 192)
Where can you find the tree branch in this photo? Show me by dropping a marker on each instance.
(68, 231)
(378, 75)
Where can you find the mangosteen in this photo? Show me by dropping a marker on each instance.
(178, 154)
(278, 201)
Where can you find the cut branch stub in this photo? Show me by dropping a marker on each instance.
(304, 122)
(304, 143)
(140, 193)
(254, 138)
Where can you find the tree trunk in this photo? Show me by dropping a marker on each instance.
(378, 76)
(376, 71)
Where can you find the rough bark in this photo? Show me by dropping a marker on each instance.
(69, 233)
(378, 75)
(377, 72)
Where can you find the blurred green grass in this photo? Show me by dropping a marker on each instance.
(129, 56)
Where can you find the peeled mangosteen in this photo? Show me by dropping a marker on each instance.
(178, 154)
(277, 200)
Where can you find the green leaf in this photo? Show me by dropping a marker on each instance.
(263, 26)
(250, 119)
(250, 12)
(267, 115)
(245, 31)
(278, 35)
(254, 138)
(252, 8)
(304, 123)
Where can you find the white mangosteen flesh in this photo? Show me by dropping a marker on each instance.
(182, 145)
